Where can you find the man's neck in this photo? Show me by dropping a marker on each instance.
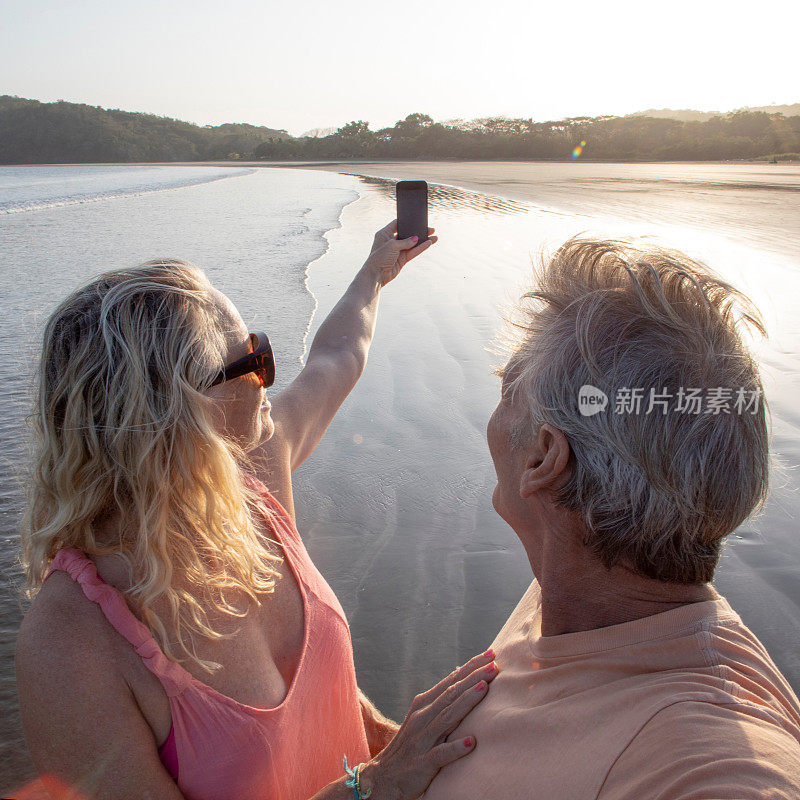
(580, 594)
(586, 606)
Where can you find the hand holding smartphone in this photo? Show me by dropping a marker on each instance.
(412, 209)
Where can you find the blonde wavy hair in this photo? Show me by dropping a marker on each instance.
(121, 423)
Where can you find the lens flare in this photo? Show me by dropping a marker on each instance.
(48, 786)
(578, 150)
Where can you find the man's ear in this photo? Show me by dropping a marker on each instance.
(546, 464)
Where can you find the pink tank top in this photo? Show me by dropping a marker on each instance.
(219, 749)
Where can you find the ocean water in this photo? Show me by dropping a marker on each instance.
(395, 504)
(254, 232)
(43, 187)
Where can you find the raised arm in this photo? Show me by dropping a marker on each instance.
(336, 359)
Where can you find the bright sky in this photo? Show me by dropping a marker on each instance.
(303, 64)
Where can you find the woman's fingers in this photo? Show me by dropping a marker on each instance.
(413, 238)
(390, 231)
(421, 248)
(389, 254)
(384, 235)
(451, 716)
(413, 250)
(406, 244)
(411, 760)
(458, 674)
(455, 703)
(444, 754)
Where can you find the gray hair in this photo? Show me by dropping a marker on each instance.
(658, 491)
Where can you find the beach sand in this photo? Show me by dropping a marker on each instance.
(395, 504)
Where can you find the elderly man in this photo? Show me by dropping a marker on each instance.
(629, 440)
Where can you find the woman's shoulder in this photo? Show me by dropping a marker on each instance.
(75, 703)
(60, 613)
(60, 629)
(257, 484)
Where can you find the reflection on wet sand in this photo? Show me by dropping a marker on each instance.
(756, 203)
(451, 199)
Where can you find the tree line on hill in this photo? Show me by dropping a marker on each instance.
(738, 135)
(51, 133)
(688, 115)
(34, 132)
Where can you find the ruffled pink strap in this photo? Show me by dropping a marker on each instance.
(83, 570)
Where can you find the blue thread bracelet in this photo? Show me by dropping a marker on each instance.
(354, 781)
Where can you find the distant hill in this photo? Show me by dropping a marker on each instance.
(688, 115)
(61, 132)
(48, 133)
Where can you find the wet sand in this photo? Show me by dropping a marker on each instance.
(735, 199)
(395, 504)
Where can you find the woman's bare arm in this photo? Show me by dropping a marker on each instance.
(380, 729)
(336, 359)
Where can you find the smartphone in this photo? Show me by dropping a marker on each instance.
(412, 209)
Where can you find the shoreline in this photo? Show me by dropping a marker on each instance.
(121, 193)
(307, 277)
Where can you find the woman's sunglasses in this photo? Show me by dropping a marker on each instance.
(261, 361)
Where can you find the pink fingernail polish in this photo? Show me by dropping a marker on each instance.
(489, 653)
(490, 670)
(480, 686)
(468, 741)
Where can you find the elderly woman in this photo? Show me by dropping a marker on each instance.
(181, 643)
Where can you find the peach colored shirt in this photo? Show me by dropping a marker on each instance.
(679, 705)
